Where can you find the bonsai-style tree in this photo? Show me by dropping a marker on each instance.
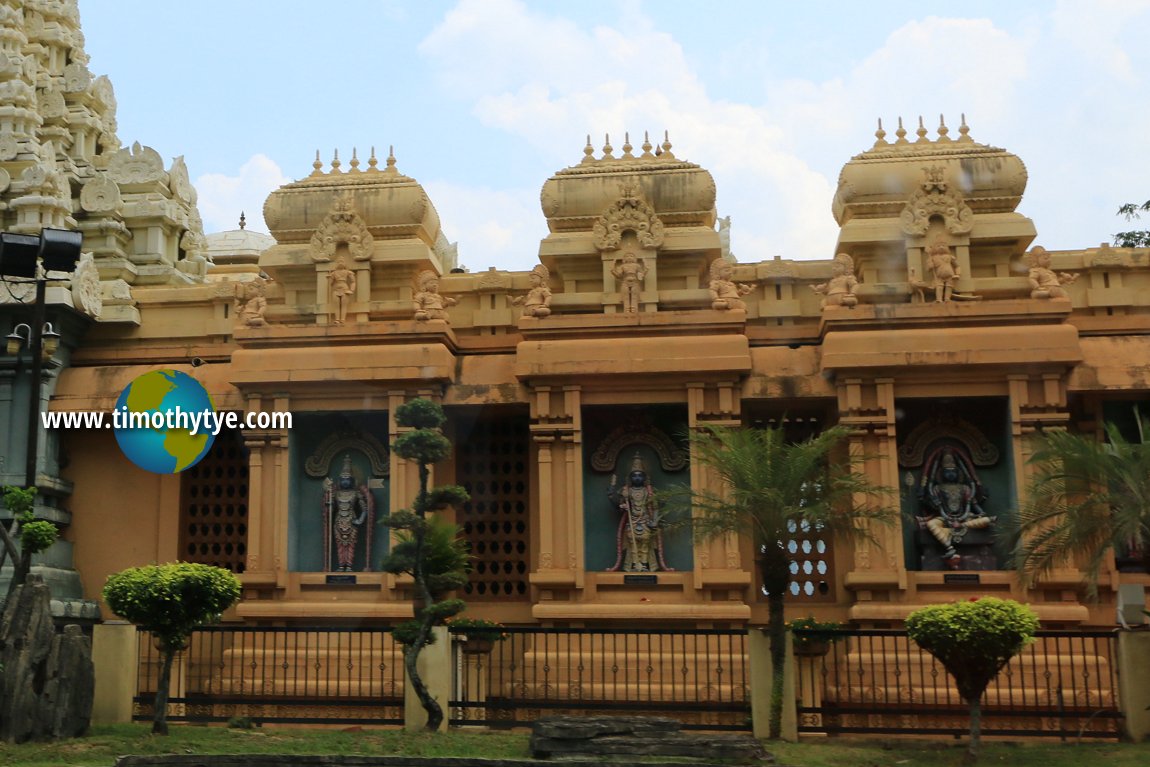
(769, 488)
(428, 549)
(973, 641)
(35, 535)
(170, 601)
(1085, 497)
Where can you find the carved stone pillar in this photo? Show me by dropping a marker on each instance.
(557, 438)
(268, 482)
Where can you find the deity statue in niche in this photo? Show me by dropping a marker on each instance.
(429, 304)
(639, 540)
(951, 498)
(347, 509)
(341, 281)
(630, 272)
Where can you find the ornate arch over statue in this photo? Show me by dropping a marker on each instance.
(342, 226)
(630, 212)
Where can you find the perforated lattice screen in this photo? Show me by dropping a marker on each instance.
(491, 463)
(812, 564)
(214, 512)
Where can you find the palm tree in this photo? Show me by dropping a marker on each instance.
(769, 487)
(1085, 497)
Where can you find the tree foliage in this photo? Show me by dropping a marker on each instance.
(170, 601)
(1136, 238)
(1085, 497)
(973, 641)
(769, 489)
(35, 535)
(427, 548)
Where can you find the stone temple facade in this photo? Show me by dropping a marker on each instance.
(939, 330)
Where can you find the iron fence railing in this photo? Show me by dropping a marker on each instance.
(879, 681)
(271, 674)
(699, 676)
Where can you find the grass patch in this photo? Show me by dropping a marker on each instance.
(101, 748)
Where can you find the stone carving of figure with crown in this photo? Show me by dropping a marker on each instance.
(342, 283)
(537, 301)
(346, 509)
(429, 305)
(725, 293)
(1044, 282)
(639, 539)
(251, 304)
(943, 267)
(839, 290)
(951, 496)
(630, 272)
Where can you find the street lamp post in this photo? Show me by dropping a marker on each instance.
(30, 257)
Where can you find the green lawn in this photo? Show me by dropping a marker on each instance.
(101, 748)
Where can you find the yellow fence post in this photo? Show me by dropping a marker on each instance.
(1134, 683)
(116, 661)
(759, 657)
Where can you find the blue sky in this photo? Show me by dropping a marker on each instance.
(484, 99)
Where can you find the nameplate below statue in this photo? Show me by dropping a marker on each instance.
(949, 578)
(640, 580)
(340, 580)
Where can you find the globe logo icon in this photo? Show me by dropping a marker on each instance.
(153, 426)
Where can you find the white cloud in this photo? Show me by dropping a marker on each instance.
(222, 197)
(490, 225)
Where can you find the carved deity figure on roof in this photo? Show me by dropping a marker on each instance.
(537, 301)
(1044, 282)
(951, 497)
(725, 293)
(630, 272)
(639, 539)
(346, 510)
(943, 267)
(341, 282)
(839, 290)
(251, 303)
(429, 305)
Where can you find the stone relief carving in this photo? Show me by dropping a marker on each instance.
(343, 225)
(52, 104)
(725, 293)
(180, 184)
(77, 78)
(537, 301)
(251, 303)
(9, 148)
(839, 290)
(935, 198)
(101, 195)
(672, 457)
(318, 464)
(913, 452)
(138, 165)
(341, 282)
(628, 213)
(1044, 282)
(87, 293)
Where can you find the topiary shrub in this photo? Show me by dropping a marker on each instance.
(170, 601)
(973, 640)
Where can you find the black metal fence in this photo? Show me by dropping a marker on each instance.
(871, 681)
(321, 675)
(699, 676)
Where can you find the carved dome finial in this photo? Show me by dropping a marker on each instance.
(588, 151)
(964, 130)
(667, 154)
(900, 133)
(607, 148)
(646, 146)
(335, 163)
(354, 161)
(372, 163)
(627, 146)
(317, 165)
(921, 132)
(391, 160)
(880, 135)
(243, 220)
(943, 130)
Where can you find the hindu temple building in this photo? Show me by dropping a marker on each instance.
(942, 330)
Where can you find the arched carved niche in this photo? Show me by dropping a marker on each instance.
(935, 198)
(628, 213)
(672, 457)
(319, 463)
(946, 426)
(343, 225)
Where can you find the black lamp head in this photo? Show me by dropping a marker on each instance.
(18, 254)
(60, 249)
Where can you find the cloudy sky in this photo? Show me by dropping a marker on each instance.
(484, 99)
